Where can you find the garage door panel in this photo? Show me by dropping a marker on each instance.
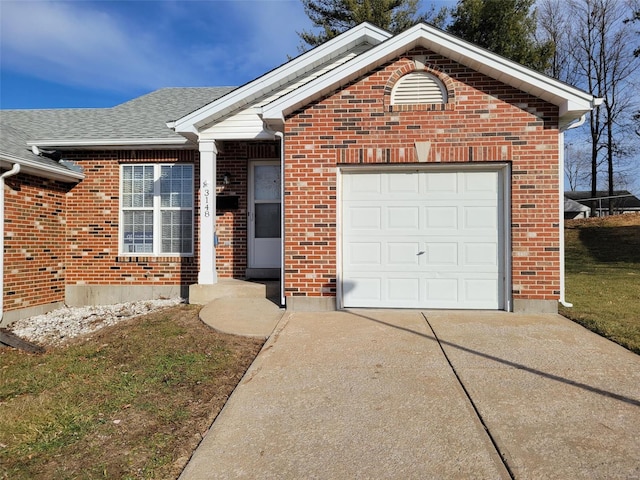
(403, 289)
(422, 240)
(481, 254)
(364, 186)
(402, 185)
(440, 183)
(364, 218)
(480, 289)
(440, 254)
(476, 182)
(480, 217)
(363, 289)
(441, 217)
(440, 290)
(403, 217)
(403, 253)
(364, 253)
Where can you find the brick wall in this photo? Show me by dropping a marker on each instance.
(92, 225)
(483, 120)
(232, 228)
(34, 249)
(231, 225)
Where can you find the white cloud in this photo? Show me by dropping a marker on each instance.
(144, 45)
(251, 38)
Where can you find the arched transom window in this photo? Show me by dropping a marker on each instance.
(418, 88)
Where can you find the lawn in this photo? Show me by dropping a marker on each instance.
(603, 277)
(129, 401)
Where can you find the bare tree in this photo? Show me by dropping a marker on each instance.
(576, 166)
(603, 53)
(554, 26)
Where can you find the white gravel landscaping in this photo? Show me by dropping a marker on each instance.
(58, 326)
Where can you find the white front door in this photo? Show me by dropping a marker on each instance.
(429, 239)
(264, 214)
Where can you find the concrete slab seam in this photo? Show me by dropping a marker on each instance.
(501, 455)
(252, 371)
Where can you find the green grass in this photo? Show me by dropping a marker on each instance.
(128, 402)
(603, 277)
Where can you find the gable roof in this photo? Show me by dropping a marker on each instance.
(315, 63)
(572, 102)
(573, 206)
(140, 122)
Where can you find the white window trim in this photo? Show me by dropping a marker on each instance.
(157, 214)
(419, 96)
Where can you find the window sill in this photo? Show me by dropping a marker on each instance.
(154, 259)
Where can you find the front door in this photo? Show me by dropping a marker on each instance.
(264, 215)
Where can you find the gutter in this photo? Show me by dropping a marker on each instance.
(43, 170)
(14, 171)
(578, 123)
(111, 143)
(280, 136)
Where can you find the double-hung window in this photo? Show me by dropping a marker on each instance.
(156, 209)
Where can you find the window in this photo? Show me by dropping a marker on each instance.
(157, 209)
(418, 88)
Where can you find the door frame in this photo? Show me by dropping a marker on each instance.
(504, 178)
(252, 270)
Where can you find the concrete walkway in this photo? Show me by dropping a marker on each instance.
(384, 394)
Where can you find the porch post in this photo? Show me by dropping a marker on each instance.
(208, 153)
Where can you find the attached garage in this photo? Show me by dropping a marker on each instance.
(424, 238)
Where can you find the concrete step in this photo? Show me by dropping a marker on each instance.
(231, 287)
(245, 316)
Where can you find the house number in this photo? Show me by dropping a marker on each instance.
(206, 193)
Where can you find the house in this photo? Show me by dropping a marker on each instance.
(573, 209)
(409, 171)
(622, 201)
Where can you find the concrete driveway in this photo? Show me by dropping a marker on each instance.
(391, 394)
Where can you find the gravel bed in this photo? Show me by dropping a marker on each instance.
(56, 327)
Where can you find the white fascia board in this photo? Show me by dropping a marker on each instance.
(126, 143)
(46, 171)
(440, 42)
(254, 135)
(268, 82)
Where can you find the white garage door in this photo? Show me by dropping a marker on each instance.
(423, 240)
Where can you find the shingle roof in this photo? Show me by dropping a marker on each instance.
(626, 200)
(573, 206)
(142, 118)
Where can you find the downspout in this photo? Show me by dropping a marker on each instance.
(14, 171)
(280, 135)
(577, 124)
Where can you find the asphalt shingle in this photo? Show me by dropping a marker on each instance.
(142, 118)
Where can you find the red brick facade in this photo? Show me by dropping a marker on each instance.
(483, 120)
(92, 226)
(34, 246)
(59, 235)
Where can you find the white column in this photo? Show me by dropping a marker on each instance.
(208, 152)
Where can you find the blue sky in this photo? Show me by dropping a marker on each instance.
(81, 53)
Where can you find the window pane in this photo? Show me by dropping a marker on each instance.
(267, 182)
(173, 185)
(267, 220)
(137, 231)
(177, 231)
(137, 186)
(176, 186)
